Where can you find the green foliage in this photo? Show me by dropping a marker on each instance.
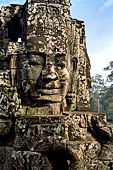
(98, 84)
(102, 95)
(110, 68)
(108, 101)
(108, 97)
(97, 91)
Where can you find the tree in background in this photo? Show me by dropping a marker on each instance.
(102, 94)
(110, 76)
(97, 91)
(108, 103)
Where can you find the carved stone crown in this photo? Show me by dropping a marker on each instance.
(61, 2)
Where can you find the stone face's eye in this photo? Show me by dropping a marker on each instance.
(36, 60)
(60, 60)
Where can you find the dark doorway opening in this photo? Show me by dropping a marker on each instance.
(14, 29)
(59, 159)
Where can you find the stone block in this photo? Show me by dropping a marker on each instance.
(5, 127)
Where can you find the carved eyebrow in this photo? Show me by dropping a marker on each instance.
(39, 53)
(58, 55)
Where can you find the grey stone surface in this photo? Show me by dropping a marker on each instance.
(44, 52)
(45, 118)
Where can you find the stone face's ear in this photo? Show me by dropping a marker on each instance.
(74, 64)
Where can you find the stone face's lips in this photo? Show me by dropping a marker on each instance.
(55, 98)
(48, 91)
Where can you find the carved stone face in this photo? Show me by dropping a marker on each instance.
(46, 79)
(46, 70)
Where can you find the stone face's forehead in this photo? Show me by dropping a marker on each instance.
(47, 27)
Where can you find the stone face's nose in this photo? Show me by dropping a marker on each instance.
(49, 73)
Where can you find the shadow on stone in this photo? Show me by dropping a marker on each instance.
(59, 159)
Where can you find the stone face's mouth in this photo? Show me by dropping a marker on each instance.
(54, 98)
(48, 91)
(48, 88)
(46, 96)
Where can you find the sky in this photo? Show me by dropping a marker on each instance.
(98, 18)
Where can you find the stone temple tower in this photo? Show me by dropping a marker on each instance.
(49, 36)
(52, 31)
(45, 118)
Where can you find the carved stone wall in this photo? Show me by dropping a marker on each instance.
(75, 141)
(41, 38)
(45, 118)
